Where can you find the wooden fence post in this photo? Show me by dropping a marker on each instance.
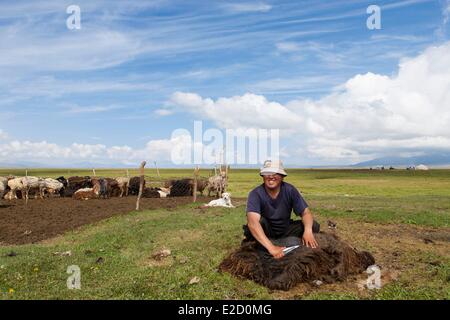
(157, 171)
(141, 184)
(196, 170)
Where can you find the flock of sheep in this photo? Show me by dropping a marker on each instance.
(84, 188)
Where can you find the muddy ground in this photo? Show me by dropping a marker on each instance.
(44, 219)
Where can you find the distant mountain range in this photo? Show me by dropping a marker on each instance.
(435, 159)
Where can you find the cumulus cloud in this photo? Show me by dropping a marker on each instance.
(369, 115)
(249, 110)
(54, 154)
(373, 114)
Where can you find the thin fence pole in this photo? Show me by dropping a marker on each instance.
(196, 170)
(141, 184)
(157, 171)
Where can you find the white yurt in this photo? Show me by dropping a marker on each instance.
(421, 167)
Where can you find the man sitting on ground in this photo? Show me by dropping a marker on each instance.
(269, 208)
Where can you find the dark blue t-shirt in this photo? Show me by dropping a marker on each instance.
(276, 211)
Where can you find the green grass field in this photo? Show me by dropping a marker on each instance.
(386, 212)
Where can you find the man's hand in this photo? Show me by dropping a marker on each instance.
(277, 252)
(309, 240)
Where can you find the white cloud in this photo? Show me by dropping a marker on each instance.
(310, 83)
(54, 154)
(163, 112)
(249, 110)
(367, 116)
(446, 12)
(76, 109)
(288, 46)
(248, 7)
(374, 114)
(77, 50)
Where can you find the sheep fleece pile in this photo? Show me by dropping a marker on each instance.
(333, 261)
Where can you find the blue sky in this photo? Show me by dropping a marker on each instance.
(114, 83)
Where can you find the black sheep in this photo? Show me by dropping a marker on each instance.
(76, 183)
(333, 261)
(181, 188)
(133, 187)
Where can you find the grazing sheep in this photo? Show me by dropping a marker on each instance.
(333, 261)
(123, 183)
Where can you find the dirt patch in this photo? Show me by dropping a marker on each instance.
(161, 258)
(44, 219)
(397, 249)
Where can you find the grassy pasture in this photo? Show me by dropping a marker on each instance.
(391, 213)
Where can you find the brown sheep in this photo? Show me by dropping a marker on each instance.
(333, 261)
(112, 188)
(87, 193)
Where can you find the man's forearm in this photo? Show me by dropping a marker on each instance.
(308, 220)
(258, 232)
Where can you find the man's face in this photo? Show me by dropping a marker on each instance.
(272, 181)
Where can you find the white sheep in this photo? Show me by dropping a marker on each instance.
(33, 183)
(123, 182)
(15, 184)
(52, 186)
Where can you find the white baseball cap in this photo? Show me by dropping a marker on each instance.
(272, 167)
